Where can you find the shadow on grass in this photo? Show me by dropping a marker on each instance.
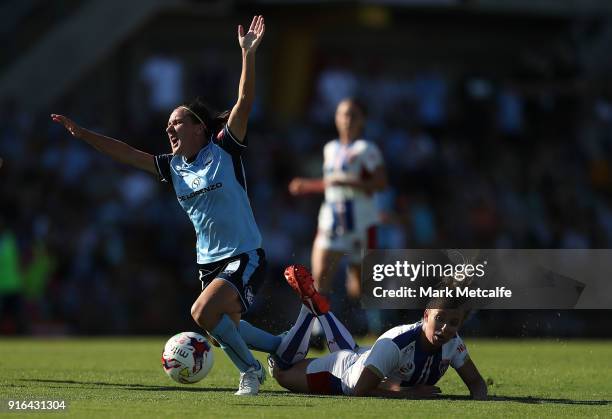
(531, 400)
(187, 388)
(140, 387)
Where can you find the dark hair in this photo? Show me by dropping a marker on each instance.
(213, 120)
(357, 102)
(450, 303)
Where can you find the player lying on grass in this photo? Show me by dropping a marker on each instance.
(405, 362)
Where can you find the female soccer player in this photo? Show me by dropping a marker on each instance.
(353, 170)
(205, 169)
(405, 362)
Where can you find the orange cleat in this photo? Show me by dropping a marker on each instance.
(301, 281)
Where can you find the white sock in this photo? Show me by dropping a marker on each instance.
(294, 345)
(337, 336)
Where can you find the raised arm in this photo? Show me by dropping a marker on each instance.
(116, 149)
(239, 116)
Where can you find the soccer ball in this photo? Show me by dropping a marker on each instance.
(187, 357)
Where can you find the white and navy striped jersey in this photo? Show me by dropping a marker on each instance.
(398, 356)
(212, 190)
(345, 208)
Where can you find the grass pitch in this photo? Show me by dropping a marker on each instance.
(119, 377)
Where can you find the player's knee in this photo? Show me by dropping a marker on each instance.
(203, 315)
(196, 312)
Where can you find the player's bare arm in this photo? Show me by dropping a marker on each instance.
(473, 380)
(304, 186)
(116, 149)
(371, 384)
(376, 181)
(239, 116)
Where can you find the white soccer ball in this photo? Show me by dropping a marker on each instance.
(187, 357)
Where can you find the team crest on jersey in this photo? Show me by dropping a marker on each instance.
(444, 366)
(406, 368)
(196, 182)
(248, 294)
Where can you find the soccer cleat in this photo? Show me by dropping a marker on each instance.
(250, 381)
(301, 281)
(272, 365)
(276, 362)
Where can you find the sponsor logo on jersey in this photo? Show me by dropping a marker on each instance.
(249, 295)
(232, 267)
(204, 190)
(461, 348)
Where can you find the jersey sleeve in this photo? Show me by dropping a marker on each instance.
(371, 157)
(226, 140)
(162, 164)
(460, 355)
(384, 357)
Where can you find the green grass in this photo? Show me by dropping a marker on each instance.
(118, 377)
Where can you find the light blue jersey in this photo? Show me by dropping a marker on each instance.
(212, 190)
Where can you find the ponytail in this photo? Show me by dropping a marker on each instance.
(201, 112)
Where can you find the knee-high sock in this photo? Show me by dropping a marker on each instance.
(258, 339)
(294, 345)
(337, 336)
(226, 333)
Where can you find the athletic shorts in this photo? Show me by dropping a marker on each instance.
(351, 242)
(347, 226)
(328, 374)
(245, 272)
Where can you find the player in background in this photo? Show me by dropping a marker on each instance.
(206, 172)
(405, 362)
(353, 170)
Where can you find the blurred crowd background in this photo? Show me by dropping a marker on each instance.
(494, 118)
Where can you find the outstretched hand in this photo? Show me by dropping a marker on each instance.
(422, 391)
(72, 128)
(251, 40)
